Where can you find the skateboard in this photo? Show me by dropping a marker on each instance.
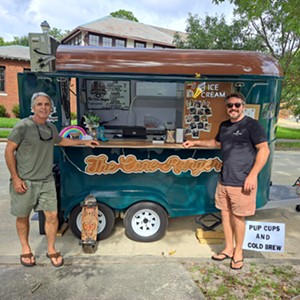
(89, 224)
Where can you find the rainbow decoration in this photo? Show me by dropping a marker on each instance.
(65, 133)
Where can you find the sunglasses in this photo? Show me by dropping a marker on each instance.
(43, 139)
(231, 105)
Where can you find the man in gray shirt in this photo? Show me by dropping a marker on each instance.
(29, 158)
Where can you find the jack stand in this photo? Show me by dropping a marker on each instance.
(205, 227)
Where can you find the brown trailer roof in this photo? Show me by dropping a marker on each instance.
(165, 61)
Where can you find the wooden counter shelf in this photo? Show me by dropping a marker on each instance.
(126, 143)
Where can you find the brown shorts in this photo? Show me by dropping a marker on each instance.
(235, 199)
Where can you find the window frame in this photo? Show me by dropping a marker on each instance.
(91, 37)
(141, 43)
(2, 79)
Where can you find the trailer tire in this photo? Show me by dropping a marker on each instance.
(297, 208)
(145, 222)
(106, 219)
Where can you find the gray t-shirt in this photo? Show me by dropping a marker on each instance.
(34, 154)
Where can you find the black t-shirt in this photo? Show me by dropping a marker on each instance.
(238, 149)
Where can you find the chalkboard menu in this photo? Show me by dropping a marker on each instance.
(108, 94)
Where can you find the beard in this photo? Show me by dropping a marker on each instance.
(235, 115)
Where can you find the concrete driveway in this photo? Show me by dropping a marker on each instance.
(179, 241)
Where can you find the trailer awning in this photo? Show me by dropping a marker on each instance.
(165, 61)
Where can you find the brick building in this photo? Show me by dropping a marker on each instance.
(13, 60)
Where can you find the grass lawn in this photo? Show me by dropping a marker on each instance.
(4, 134)
(8, 122)
(288, 133)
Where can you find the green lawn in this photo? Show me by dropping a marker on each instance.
(288, 133)
(8, 122)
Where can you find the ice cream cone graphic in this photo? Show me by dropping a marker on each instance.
(200, 88)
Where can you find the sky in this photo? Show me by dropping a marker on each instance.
(19, 17)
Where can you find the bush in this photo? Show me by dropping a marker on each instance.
(3, 111)
(16, 110)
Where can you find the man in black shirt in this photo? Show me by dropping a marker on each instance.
(244, 151)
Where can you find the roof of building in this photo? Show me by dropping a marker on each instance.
(128, 29)
(15, 52)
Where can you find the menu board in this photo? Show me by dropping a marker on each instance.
(108, 94)
(204, 108)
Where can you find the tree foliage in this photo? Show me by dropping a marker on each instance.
(58, 34)
(124, 14)
(215, 33)
(277, 24)
(22, 41)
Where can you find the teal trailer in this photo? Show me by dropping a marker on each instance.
(148, 102)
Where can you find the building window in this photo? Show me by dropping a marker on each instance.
(106, 42)
(120, 43)
(93, 40)
(2, 79)
(76, 40)
(139, 45)
(26, 70)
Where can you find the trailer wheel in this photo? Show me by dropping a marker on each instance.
(145, 222)
(298, 208)
(106, 219)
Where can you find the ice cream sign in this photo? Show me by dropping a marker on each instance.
(206, 90)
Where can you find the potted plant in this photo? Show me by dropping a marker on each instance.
(91, 120)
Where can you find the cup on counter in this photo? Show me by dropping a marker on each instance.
(170, 136)
(179, 135)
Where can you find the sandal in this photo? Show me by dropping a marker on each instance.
(236, 262)
(55, 255)
(27, 255)
(225, 256)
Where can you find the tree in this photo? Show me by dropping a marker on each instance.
(277, 23)
(23, 41)
(124, 14)
(58, 33)
(215, 33)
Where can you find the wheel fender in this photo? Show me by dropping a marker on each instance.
(122, 199)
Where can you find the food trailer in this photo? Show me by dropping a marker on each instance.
(148, 102)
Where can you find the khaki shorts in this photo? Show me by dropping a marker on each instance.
(235, 199)
(39, 196)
